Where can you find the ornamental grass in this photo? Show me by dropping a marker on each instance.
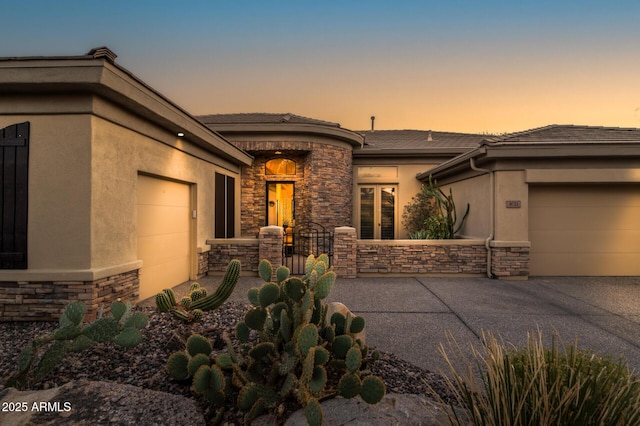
(536, 385)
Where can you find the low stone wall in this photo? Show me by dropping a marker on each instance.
(510, 259)
(246, 250)
(46, 300)
(421, 257)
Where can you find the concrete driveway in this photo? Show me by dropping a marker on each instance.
(411, 316)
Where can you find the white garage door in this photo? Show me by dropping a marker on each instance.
(163, 234)
(585, 230)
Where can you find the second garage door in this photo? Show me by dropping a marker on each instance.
(163, 234)
(585, 230)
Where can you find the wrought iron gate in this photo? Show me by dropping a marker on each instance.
(303, 240)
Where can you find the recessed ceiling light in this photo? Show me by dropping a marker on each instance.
(278, 152)
(180, 134)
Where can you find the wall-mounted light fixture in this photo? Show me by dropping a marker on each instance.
(180, 134)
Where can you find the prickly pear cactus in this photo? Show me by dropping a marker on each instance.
(44, 354)
(192, 305)
(296, 351)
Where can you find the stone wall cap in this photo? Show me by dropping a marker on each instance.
(344, 229)
(499, 243)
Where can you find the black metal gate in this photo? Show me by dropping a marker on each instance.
(303, 240)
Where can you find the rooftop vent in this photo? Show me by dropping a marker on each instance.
(373, 118)
(429, 136)
(103, 52)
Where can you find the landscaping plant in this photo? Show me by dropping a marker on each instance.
(288, 351)
(541, 386)
(192, 306)
(442, 225)
(45, 353)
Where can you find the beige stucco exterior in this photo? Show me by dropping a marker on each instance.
(87, 150)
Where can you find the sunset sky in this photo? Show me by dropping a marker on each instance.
(464, 66)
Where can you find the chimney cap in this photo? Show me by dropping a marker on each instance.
(103, 52)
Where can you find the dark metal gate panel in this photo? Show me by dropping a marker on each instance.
(303, 240)
(14, 193)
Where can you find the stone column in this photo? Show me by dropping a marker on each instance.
(271, 240)
(510, 259)
(345, 252)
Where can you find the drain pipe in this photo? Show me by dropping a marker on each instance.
(487, 242)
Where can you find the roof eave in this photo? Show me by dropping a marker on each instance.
(352, 138)
(104, 78)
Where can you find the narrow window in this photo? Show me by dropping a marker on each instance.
(224, 209)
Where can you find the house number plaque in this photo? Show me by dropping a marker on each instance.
(513, 204)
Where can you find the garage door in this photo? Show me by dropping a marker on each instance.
(163, 234)
(585, 230)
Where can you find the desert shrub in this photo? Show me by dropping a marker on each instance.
(535, 385)
(417, 211)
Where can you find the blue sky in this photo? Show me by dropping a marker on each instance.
(469, 66)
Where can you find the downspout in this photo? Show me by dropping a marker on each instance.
(487, 242)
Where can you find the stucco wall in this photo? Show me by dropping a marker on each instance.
(476, 192)
(59, 190)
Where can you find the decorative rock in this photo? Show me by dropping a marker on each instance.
(394, 409)
(342, 309)
(88, 403)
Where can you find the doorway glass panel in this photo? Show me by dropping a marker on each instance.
(280, 204)
(378, 212)
(367, 213)
(387, 213)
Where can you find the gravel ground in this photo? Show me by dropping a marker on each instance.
(144, 365)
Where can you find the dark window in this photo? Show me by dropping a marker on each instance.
(14, 193)
(224, 211)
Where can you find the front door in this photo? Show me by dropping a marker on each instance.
(280, 204)
(377, 211)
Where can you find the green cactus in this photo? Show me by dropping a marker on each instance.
(45, 353)
(178, 366)
(296, 351)
(198, 314)
(196, 362)
(265, 270)
(224, 290)
(185, 302)
(198, 344)
(372, 390)
(196, 301)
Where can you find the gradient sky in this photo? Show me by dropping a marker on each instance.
(465, 66)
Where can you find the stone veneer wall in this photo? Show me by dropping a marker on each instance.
(421, 257)
(246, 250)
(345, 252)
(45, 301)
(323, 183)
(510, 261)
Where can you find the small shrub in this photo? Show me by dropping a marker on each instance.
(417, 211)
(541, 386)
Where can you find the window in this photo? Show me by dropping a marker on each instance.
(225, 206)
(280, 166)
(377, 212)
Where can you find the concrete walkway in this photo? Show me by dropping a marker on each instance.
(411, 316)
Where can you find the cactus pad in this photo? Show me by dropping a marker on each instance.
(198, 344)
(196, 362)
(357, 325)
(265, 270)
(353, 359)
(255, 318)
(242, 332)
(268, 294)
(313, 413)
(177, 365)
(308, 338)
(349, 385)
(341, 345)
(282, 273)
(372, 390)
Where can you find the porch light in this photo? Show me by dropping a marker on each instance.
(278, 152)
(180, 134)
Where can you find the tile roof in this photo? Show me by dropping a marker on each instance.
(262, 118)
(418, 139)
(568, 133)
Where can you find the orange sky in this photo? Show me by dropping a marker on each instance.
(466, 66)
